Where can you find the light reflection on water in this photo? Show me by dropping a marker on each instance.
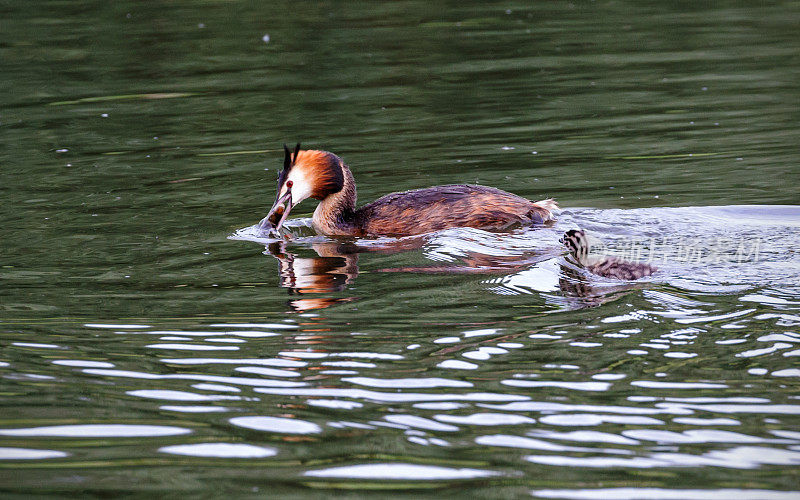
(702, 248)
(664, 494)
(143, 351)
(628, 389)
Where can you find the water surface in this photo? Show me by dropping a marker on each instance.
(153, 343)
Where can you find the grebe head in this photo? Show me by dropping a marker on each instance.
(576, 242)
(305, 174)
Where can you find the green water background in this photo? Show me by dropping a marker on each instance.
(135, 137)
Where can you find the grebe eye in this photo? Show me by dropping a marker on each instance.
(289, 184)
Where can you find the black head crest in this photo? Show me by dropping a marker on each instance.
(289, 159)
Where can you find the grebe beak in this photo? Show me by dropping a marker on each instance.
(281, 207)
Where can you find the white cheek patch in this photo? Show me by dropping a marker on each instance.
(301, 188)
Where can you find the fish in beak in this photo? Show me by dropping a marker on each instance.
(283, 202)
(279, 211)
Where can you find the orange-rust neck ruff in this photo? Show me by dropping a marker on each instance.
(325, 177)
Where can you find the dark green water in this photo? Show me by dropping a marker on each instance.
(151, 344)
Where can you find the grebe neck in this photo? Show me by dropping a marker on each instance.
(335, 214)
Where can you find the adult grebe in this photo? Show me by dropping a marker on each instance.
(325, 177)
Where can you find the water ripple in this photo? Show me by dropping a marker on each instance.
(219, 450)
(276, 424)
(207, 378)
(7, 453)
(394, 396)
(97, 430)
(665, 494)
(400, 472)
(410, 383)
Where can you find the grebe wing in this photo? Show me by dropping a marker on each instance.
(442, 207)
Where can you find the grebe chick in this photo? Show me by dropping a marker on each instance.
(324, 176)
(603, 265)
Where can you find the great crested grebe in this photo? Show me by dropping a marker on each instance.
(324, 176)
(603, 265)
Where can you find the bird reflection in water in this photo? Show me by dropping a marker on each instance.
(333, 268)
(309, 277)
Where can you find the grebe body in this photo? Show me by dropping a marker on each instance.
(603, 265)
(324, 176)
